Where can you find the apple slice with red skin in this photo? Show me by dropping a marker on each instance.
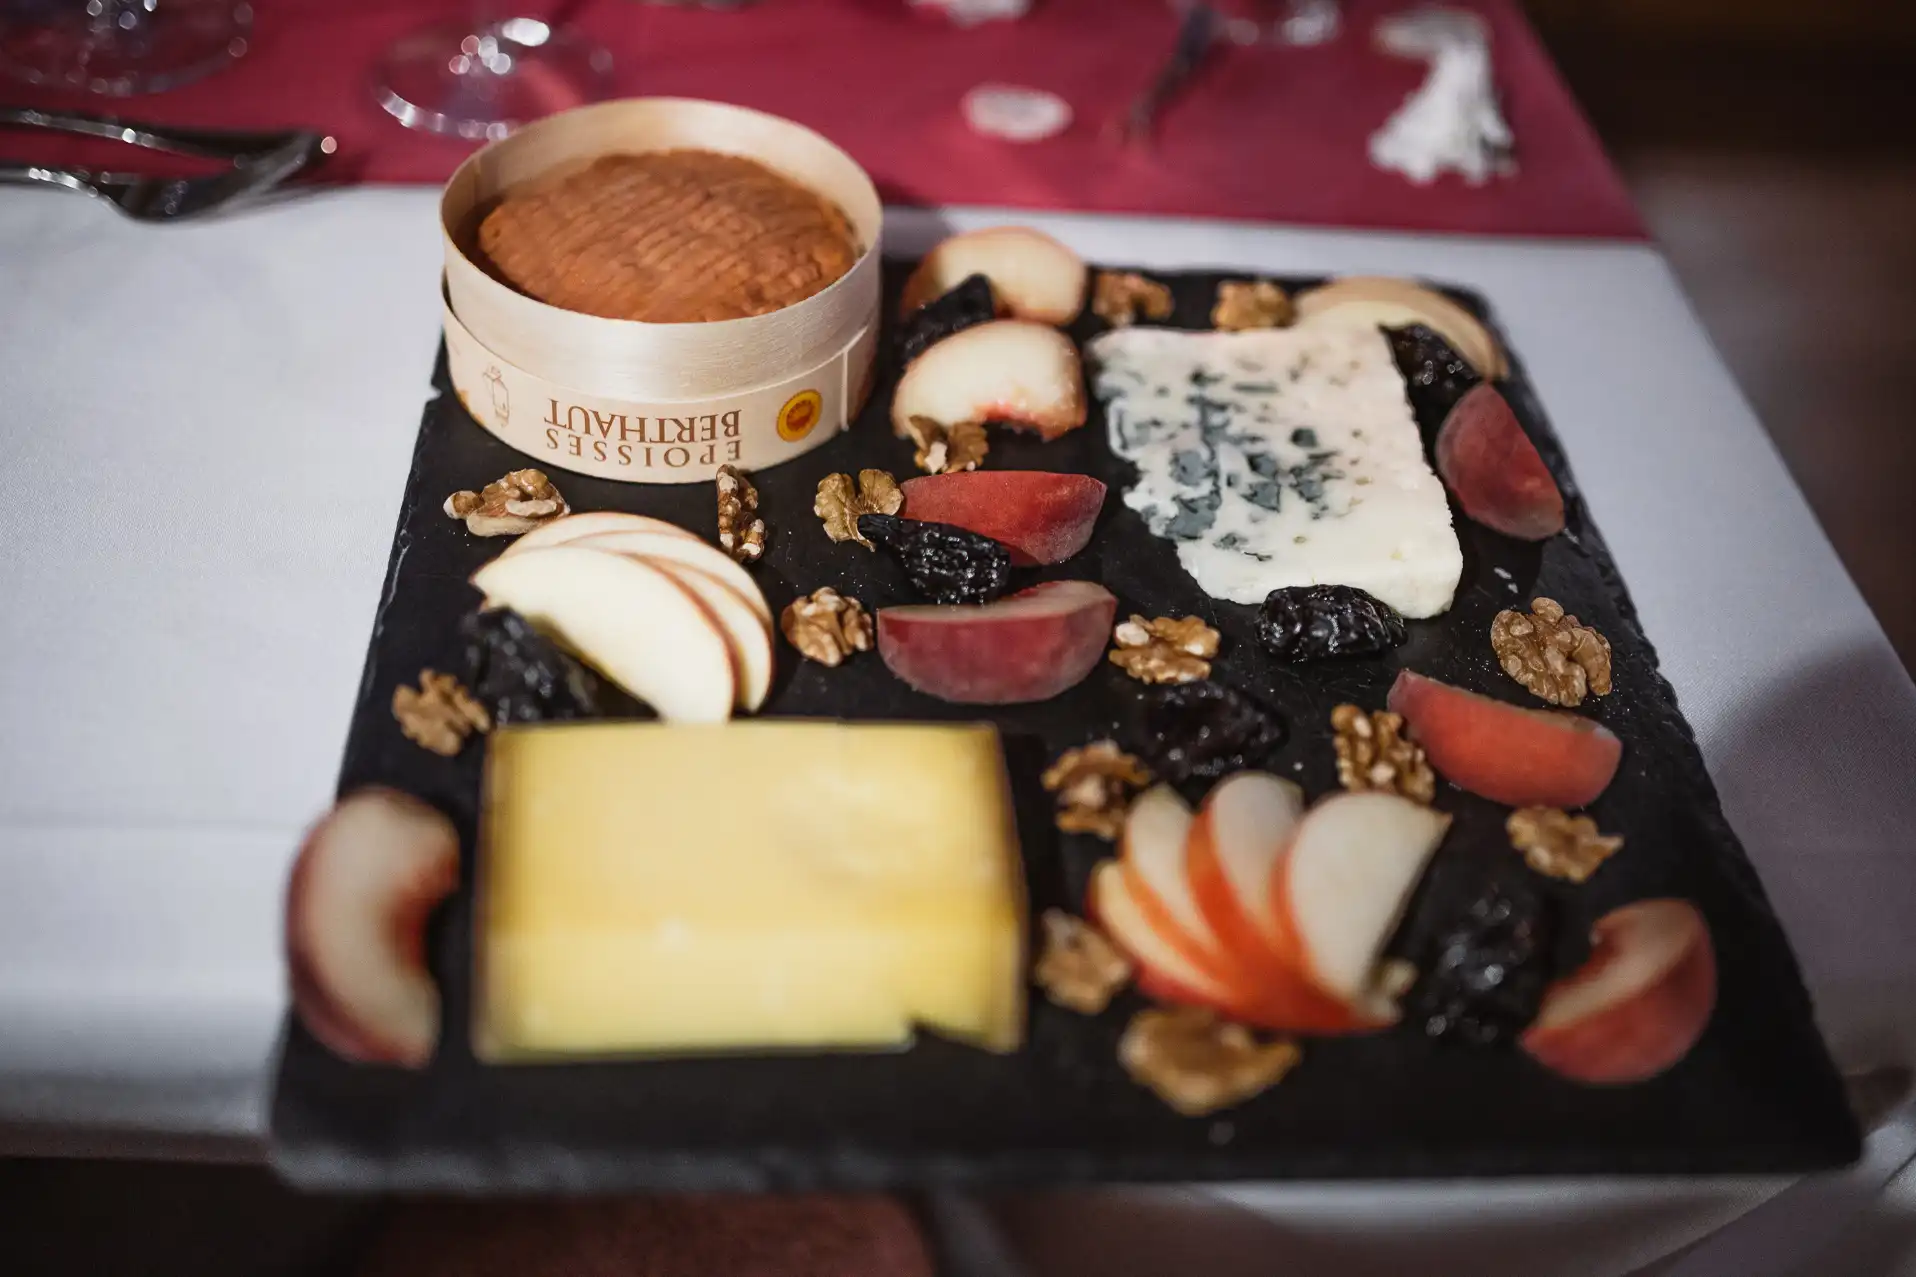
(1232, 854)
(1027, 646)
(1021, 374)
(1032, 275)
(591, 523)
(1512, 755)
(1039, 516)
(1494, 471)
(368, 876)
(1341, 888)
(1151, 852)
(1637, 1005)
(1163, 973)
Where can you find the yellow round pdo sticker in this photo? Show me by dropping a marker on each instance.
(799, 415)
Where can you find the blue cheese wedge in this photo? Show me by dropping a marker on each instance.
(1280, 457)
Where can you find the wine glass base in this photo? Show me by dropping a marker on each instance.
(482, 84)
(119, 53)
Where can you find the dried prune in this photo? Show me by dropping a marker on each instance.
(1484, 976)
(968, 304)
(945, 564)
(1311, 622)
(520, 675)
(1435, 375)
(1203, 730)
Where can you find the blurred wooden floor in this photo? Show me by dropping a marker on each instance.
(1782, 185)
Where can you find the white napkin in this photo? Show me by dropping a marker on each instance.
(968, 13)
(1452, 122)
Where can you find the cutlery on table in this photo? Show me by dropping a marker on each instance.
(1199, 29)
(260, 162)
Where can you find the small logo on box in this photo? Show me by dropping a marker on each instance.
(799, 415)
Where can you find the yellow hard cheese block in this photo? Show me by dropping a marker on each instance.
(783, 884)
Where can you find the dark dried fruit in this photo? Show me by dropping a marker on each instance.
(968, 304)
(1435, 375)
(1486, 975)
(1311, 622)
(520, 675)
(1204, 730)
(945, 564)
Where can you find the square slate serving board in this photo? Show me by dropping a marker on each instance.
(1757, 1093)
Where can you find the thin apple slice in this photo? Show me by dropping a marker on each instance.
(1151, 851)
(1637, 1005)
(1163, 973)
(750, 634)
(1390, 302)
(1246, 822)
(631, 621)
(1343, 885)
(367, 878)
(690, 551)
(591, 523)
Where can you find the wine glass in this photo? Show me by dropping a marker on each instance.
(120, 47)
(1299, 23)
(486, 75)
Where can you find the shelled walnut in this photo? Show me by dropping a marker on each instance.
(439, 714)
(1164, 650)
(1552, 654)
(945, 449)
(1247, 304)
(840, 501)
(509, 506)
(741, 533)
(1559, 845)
(1198, 1063)
(1374, 754)
(1119, 297)
(1079, 968)
(1094, 784)
(827, 626)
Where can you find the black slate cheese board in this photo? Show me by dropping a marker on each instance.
(1758, 1093)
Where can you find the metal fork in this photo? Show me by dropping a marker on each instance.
(212, 144)
(161, 199)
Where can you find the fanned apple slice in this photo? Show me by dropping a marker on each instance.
(1151, 852)
(690, 551)
(591, 523)
(369, 875)
(1163, 972)
(630, 620)
(1233, 852)
(1235, 842)
(1343, 884)
(749, 633)
(1032, 275)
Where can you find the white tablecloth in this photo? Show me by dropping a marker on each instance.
(206, 431)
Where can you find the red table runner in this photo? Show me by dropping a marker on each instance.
(1269, 134)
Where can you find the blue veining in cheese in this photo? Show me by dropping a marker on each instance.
(1280, 457)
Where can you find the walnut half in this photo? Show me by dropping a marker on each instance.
(840, 501)
(1552, 654)
(1374, 754)
(1119, 297)
(827, 626)
(439, 714)
(1164, 650)
(741, 533)
(1245, 304)
(509, 506)
(945, 449)
(1094, 784)
(1559, 845)
(1079, 969)
(1198, 1063)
